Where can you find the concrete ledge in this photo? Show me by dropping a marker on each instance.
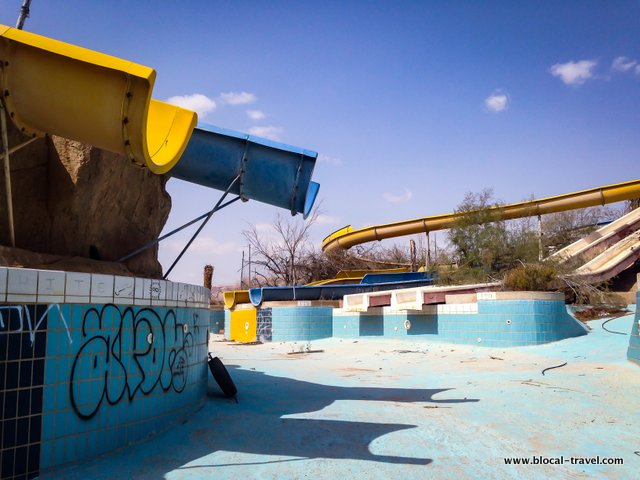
(25, 285)
(483, 296)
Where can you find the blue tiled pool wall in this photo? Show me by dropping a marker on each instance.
(79, 380)
(633, 352)
(22, 367)
(216, 320)
(381, 322)
(499, 323)
(227, 323)
(296, 323)
(264, 327)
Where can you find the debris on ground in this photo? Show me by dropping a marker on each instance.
(555, 366)
(599, 312)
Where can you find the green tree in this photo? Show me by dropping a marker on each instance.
(483, 242)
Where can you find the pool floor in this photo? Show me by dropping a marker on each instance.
(394, 409)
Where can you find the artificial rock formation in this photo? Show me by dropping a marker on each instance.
(73, 200)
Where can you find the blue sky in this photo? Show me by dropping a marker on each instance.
(409, 104)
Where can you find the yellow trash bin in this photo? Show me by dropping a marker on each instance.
(243, 325)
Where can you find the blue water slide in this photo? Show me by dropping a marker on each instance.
(371, 278)
(333, 292)
(269, 171)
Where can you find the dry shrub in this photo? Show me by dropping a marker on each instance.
(531, 277)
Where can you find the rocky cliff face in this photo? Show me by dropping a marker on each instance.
(73, 200)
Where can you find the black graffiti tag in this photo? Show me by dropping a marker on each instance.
(128, 352)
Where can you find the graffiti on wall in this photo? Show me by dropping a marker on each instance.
(21, 320)
(264, 325)
(126, 353)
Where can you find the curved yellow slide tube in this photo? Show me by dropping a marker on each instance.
(54, 87)
(347, 237)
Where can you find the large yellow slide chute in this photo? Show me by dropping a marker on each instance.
(53, 87)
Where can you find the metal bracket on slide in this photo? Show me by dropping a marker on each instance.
(124, 115)
(296, 182)
(206, 216)
(243, 169)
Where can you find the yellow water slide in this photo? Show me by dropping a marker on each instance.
(347, 237)
(52, 87)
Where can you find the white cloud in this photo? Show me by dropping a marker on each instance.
(237, 98)
(497, 102)
(405, 197)
(574, 73)
(623, 64)
(637, 69)
(255, 115)
(330, 160)
(267, 132)
(201, 104)
(327, 220)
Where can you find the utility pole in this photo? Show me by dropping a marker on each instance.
(242, 271)
(24, 14)
(249, 264)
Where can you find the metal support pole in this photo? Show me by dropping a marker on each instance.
(13, 150)
(427, 261)
(7, 173)
(540, 252)
(435, 249)
(173, 232)
(24, 14)
(202, 225)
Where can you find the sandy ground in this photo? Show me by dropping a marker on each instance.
(392, 409)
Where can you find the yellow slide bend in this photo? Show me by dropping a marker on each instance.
(347, 237)
(53, 87)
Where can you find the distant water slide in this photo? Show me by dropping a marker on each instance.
(614, 260)
(52, 87)
(343, 277)
(602, 254)
(369, 283)
(601, 239)
(348, 237)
